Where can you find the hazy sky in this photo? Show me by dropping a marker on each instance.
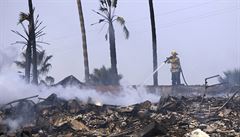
(205, 33)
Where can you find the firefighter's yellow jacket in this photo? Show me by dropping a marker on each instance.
(175, 64)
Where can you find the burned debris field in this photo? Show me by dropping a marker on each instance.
(172, 116)
(120, 68)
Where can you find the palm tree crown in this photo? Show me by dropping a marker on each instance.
(107, 12)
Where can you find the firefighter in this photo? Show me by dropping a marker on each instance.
(175, 68)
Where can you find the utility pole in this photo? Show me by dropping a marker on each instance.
(154, 43)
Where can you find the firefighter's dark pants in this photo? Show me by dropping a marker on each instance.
(176, 78)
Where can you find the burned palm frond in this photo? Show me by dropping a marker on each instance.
(109, 3)
(103, 9)
(19, 34)
(114, 3)
(50, 80)
(121, 20)
(23, 17)
(20, 64)
(43, 63)
(40, 56)
(126, 32)
(38, 32)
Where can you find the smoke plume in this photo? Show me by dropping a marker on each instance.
(12, 87)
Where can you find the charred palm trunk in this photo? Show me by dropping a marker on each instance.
(113, 53)
(32, 36)
(154, 43)
(84, 41)
(28, 62)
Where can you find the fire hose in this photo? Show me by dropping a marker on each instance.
(183, 77)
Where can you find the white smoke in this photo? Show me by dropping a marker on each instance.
(7, 56)
(12, 87)
(125, 97)
(13, 124)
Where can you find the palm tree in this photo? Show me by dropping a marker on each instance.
(26, 42)
(154, 42)
(84, 40)
(108, 16)
(32, 36)
(103, 76)
(43, 64)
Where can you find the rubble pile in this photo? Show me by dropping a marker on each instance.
(170, 117)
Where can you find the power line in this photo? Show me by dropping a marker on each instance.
(186, 8)
(209, 14)
(174, 11)
(193, 18)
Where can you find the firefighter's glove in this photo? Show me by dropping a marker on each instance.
(167, 59)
